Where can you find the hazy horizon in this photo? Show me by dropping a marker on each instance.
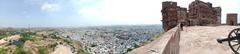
(77, 26)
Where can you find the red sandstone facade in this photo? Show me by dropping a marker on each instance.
(200, 13)
(182, 14)
(232, 19)
(169, 13)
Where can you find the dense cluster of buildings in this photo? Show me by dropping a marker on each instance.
(200, 13)
(111, 39)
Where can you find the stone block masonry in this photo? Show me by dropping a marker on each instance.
(200, 13)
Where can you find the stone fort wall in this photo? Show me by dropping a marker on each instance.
(199, 14)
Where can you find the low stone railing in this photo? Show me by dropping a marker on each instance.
(172, 46)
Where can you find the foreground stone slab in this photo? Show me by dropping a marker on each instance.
(202, 40)
(193, 40)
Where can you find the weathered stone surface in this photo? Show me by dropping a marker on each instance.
(218, 12)
(232, 19)
(193, 40)
(169, 13)
(200, 13)
(182, 14)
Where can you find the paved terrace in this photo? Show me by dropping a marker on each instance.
(193, 40)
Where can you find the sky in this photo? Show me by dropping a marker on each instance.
(60, 13)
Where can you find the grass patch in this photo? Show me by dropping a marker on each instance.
(14, 33)
(27, 36)
(52, 45)
(42, 50)
(20, 50)
(2, 36)
(53, 36)
(81, 51)
(67, 41)
(3, 51)
(24, 37)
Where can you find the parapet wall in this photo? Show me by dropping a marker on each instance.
(168, 43)
(172, 46)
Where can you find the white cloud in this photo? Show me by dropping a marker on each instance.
(50, 7)
(141, 11)
(125, 11)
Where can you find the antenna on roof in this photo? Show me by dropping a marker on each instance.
(28, 27)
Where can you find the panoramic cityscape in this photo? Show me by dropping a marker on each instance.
(119, 27)
(81, 40)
